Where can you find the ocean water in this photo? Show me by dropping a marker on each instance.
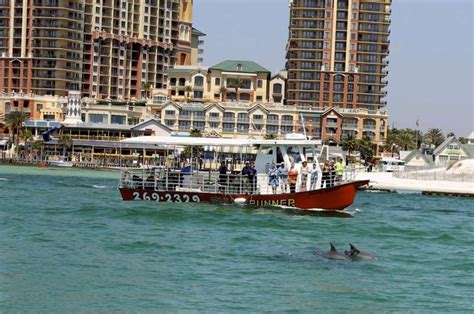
(69, 244)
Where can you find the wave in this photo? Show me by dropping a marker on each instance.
(4, 179)
(99, 186)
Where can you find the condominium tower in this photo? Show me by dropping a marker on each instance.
(104, 48)
(337, 53)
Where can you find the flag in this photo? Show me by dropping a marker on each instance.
(417, 123)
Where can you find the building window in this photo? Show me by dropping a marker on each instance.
(199, 81)
(259, 84)
(217, 81)
(115, 119)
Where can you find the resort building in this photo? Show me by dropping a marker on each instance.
(337, 55)
(231, 80)
(242, 120)
(48, 108)
(277, 92)
(104, 49)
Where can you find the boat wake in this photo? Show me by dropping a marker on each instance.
(4, 179)
(99, 186)
(318, 212)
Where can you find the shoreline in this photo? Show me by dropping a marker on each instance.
(379, 181)
(385, 182)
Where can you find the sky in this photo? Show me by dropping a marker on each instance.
(431, 54)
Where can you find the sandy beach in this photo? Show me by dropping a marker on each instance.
(386, 181)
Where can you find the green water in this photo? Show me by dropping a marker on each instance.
(69, 244)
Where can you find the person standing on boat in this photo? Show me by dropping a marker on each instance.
(292, 178)
(252, 177)
(245, 177)
(332, 173)
(283, 175)
(304, 176)
(339, 167)
(314, 173)
(223, 174)
(273, 178)
(325, 176)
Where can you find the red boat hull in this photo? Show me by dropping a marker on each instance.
(332, 198)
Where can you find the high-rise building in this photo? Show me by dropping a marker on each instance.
(337, 57)
(103, 48)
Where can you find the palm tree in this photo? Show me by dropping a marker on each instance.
(364, 146)
(223, 92)
(238, 83)
(434, 137)
(406, 140)
(15, 122)
(349, 143)
(65, 141)
(188, 89)
(27, 137)
(38, 146)
(147, 87)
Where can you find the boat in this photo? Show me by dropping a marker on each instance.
(60, 163)
(392, 164)
(165, 183)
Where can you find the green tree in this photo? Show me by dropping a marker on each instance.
(15, 122)
(406, 139)
(28, 137)
(434, 137)
(365, 148)
(237, 84)
(65, 141)
(223, 92)
(188, 89)
(37, 147)
(349, 144)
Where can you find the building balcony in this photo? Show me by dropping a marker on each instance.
(349, 126)
(287, 122)
(185, 117)
(214, 119)
(331, 124)
(369, 127)
(228, 119)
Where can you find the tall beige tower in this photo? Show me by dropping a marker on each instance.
(337, 53)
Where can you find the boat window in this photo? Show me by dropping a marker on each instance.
(279, 156)
(294, 154)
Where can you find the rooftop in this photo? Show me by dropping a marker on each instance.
(239, 66)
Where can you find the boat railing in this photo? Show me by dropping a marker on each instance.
(160, 179)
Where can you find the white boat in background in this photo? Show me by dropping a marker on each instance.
(60, 163)
(392, 164)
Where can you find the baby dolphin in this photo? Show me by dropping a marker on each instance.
(334, 254)
(357, 254)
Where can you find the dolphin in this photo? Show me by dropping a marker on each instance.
(357, 254)
(334, 254)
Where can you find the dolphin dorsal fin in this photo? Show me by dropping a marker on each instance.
(333, 248)
(353, 247)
